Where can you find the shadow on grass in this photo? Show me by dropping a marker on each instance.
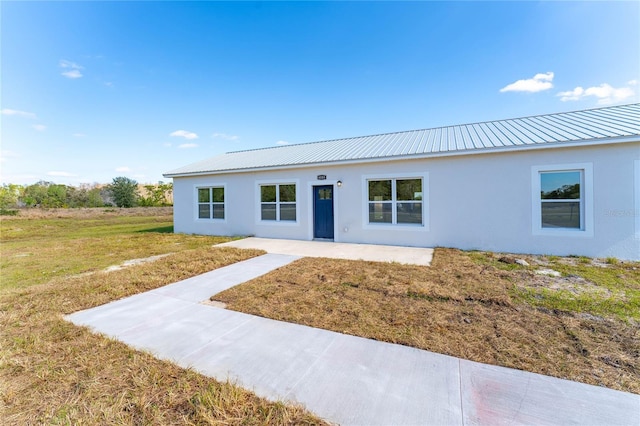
(161, 229)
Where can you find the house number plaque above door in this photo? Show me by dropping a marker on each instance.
(322, 177)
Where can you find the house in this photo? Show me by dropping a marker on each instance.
(562, 184)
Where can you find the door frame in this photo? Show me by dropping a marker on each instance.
(310, 206)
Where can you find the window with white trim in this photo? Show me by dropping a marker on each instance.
(278, 202)
(395, 201)
(562, 199)
(211, 202)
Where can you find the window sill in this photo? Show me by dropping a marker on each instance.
(395, 227)
(562, 232)
(277, 223)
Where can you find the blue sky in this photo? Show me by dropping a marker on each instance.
(95, 90)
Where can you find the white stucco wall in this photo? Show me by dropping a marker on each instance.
(472, 202)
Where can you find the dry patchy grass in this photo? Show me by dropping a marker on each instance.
(466, 304)
(54, 372)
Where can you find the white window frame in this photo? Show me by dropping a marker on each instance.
(277, 183)
(586, 200)
(412, 227)
(211, 203)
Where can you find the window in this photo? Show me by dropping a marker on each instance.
(395, 201)
(211, 203)
(278, 202)
(562, 200)
(325, 194)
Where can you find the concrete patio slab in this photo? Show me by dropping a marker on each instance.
(332, 250)
(345, 379)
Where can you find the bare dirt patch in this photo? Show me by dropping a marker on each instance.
(133, 262)
(462, 306)
(572, 283)
(215, 304)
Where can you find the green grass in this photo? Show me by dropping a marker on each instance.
(610, 289)
(568, 301)
(63, 228)
(614, 290)
(490, 260)
(34, 251)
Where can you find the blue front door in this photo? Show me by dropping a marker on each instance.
(323, 211)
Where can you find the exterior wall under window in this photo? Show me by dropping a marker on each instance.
(479, 201)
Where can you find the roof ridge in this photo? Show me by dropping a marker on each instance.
(431, 128)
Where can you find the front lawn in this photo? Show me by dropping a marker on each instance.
(53, 372)
(582, 326)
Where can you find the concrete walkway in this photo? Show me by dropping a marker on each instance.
(372, 252)
(343, 379)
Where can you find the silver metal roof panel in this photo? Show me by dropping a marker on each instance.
(616, 123)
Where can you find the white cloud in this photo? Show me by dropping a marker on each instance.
(72, 74)
(282, 143)
(184, 134)
(68, 64)
(605, 93)
(188, 145)
(225, 136)
(123, 169)
(538, 83)
(571, 95)
(61, 174)
(632, 82)
(7, 111)
(72, 70)
(40, 127)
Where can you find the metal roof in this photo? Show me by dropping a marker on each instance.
(602, 125)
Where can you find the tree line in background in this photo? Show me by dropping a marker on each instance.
(122, 192)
